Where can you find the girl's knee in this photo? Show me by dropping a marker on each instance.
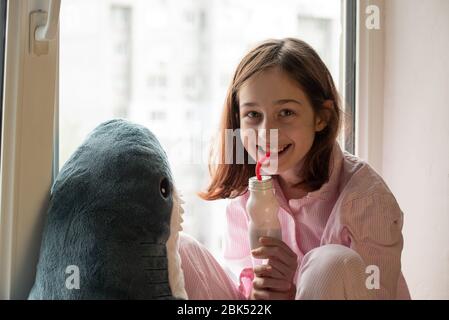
(331, 272)
(334, 256)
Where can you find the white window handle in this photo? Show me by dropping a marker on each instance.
(44, 26)
(48, 31)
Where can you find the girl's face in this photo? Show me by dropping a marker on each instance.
(272, 100)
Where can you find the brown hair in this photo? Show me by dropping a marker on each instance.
(302, 64)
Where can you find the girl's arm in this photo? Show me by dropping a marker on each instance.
(374, 224)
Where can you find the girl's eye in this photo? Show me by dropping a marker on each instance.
(286, 113)
(253, 114)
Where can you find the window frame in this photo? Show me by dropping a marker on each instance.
(350, 67)
(3, 6)
(27, 149)
(369, 101)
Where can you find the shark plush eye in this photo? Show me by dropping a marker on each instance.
(165, 188)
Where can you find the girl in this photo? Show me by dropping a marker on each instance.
(341, 225)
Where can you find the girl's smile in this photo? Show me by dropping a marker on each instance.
(280, 153)
(279, 149)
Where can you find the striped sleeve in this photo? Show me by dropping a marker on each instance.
(375, 224)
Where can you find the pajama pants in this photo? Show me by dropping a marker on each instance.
(328, 272)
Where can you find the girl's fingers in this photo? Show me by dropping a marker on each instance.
(274, 252)
(271, 283)
(269, 242)
(268, 271)
(286, 272)
(260, 294)
(282, 260)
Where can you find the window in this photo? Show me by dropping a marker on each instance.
(121, 58)
(138, 58)
(2, 59)
(158, 115)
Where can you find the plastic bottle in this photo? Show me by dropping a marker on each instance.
(262, 208)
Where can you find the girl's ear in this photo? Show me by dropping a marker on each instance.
(323, 117)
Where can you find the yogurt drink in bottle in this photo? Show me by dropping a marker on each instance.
(262, 208)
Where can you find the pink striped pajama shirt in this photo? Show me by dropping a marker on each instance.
(353, 214)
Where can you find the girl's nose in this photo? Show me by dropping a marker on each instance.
(268, 124)
(267, 138)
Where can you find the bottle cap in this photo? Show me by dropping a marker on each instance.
(265, 183)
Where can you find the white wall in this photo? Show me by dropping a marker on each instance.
(416, 137)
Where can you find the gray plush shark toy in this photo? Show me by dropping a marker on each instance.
(114, 218)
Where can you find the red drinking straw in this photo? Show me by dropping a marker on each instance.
(259, 164)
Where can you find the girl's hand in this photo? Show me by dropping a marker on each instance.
(274, 281)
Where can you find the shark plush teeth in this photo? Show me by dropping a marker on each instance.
(176, 278)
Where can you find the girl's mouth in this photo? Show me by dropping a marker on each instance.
(280, 151)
